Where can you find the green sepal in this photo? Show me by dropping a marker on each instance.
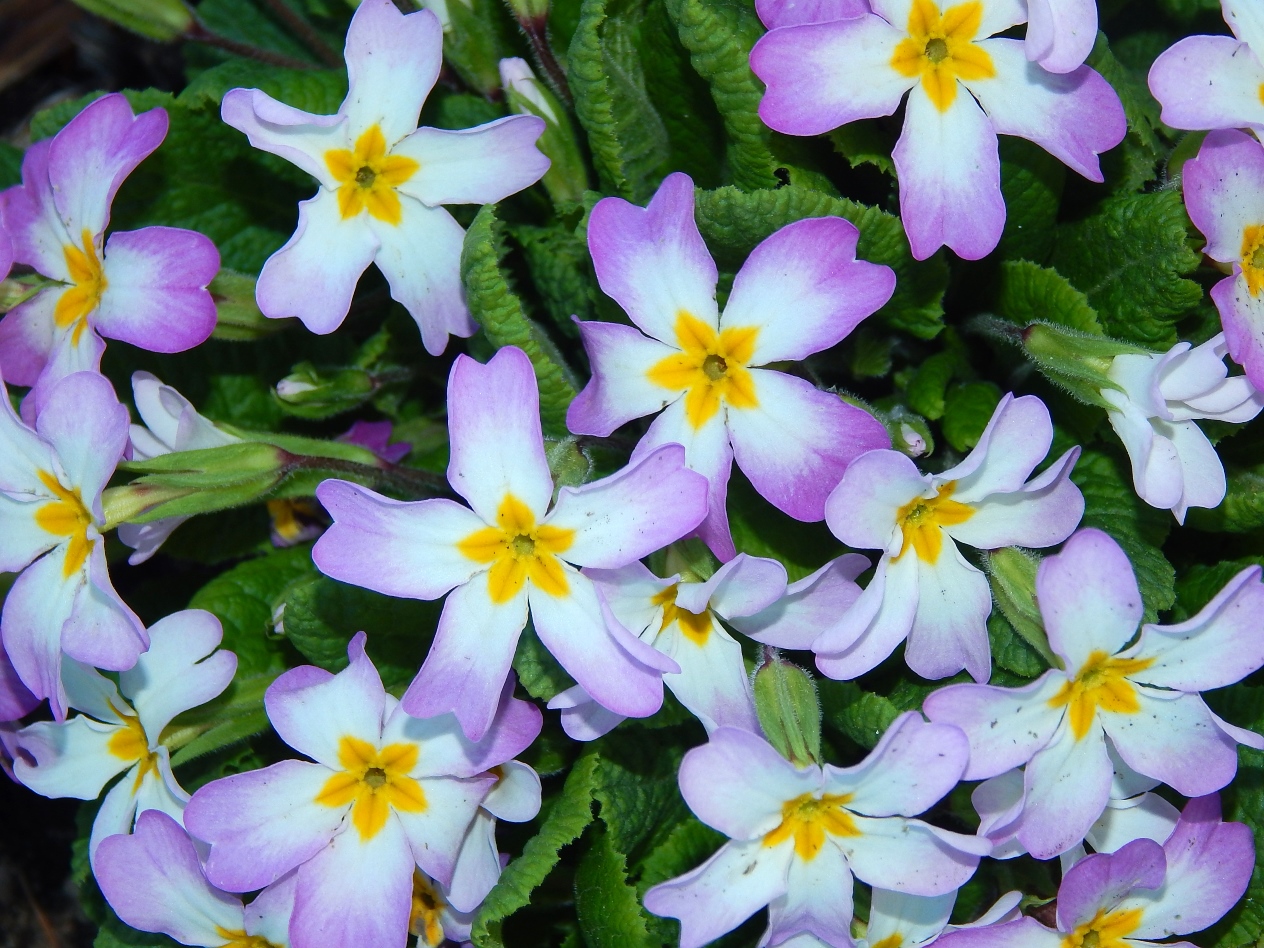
(788, 708)
(1012, 574)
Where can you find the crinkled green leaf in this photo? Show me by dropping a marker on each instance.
(1242, 510)
(319, 91)
(1135, 162)
(1111, 504)
(927, 390)
(862, 715)
(1030, 293)
(560, 270)
(1031, 183)
(1130, 260)
(636, 787)
(1010, 652)
(499, 311)
(719, 35)
(734, 222)
(538, 671)
(610, 914)
(568, 815)
(866, 142)
(246, 22)
(1199, 584)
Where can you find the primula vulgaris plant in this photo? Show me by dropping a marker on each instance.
(481, 595)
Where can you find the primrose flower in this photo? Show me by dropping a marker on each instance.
(899, 920)
(963, 89)
(51, 479)
(171, 423)
(515, 796)
(432, 918)
(797, 835)
(1141, 893)
(924, 589)
(1060, 33)
(1224, 194)
(511, 553)
(800, 291)
(154, 881)
(146, 287)
(376, 436)
(1174, 466)
(1144, 700)
(384, 794)
(383, 181)
(683, 619)
(1211, 82)
(181, 670)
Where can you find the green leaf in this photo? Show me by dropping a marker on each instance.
(244, 598)
(10, 165)
(1030, 293)
(1010, 652)
(1135, 162)
(1111, 504)
(560, 270)
(244, 22)
(636, 786)
(1199, 584)
(734, 222)
(505, 323)
(1031, 183)
(245, 401)
(1130, 260)
(927, 390)
(1242, 510)
(319, 91)
(568, 815)
(538, 671)
(322, 614)
(609, 911)
(861, 715)
(866, 142)
(719, 35)
(629, 142)
(967, 410)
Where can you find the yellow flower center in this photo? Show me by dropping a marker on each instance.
(66, 517)
(373, 781)
(291, 516)
(520, 549)
(940, 49)
(367, 177)
(1105, 930)
(696, 626)
(891, 941)
(1101, 683)
(922, 521)
(1253, 258)
(711, 368)
(88, 284)
(808, 818)
(130, 743)
(239, 939)
(424, 921)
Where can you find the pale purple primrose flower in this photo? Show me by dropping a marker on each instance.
(963, 90)
(154, 881)
(376, 437)
(383, 181)
(1224, 194)
(1211, 82)
(924, 589)
(1159, 395)
(1144, 699)
(171, 423)
(775, 13)
(120, 729)
(511, 553)
(1060, 33)
(1142, 893)
(800, 291)
(51, 479)
(798, 834)
(146, 287)
(899, 920)
(384, 794)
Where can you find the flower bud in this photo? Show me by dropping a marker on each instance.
(788, 708)
(185, 483)
(1077, 361)
(160, 20)
(568, 464)
(1012, 574)
(691, 560)
(238, 318)
(308, 392)
(567, 177)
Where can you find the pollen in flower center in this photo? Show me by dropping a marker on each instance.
(519, 549)
(808, 818)
(373, 782)
(940, 49)
(696, 626)
(1253, 258)
(130, 743)
(239, 939)
(66, 517)
(88, 285)
(710, 368)
(1100, 683)
(1105, 930)
(424, 920)
(367, 177)
(922, 520)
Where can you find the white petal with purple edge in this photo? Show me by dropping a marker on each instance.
(101, 629)
(712, 683)
(629, 591)
(393, 61)
(435, 834)
(178, 671)
(907, 920)
(299, 137)
(1209, 82)
(26, 338)
(1044, 512)
(619, 389)
(72, 353)
(1242, 316)
(911, 856)
(446, 751)
(31, 219)
(71, 759)
(583, 719)
(1066, 786)
(24, 538)
(1097, 883)
(949, 630)
(863, 509)
(741, 587)
(1151, 817)
(1015, 441)
(515, 797)
(1224, 191)
(37, 606)
(477, 865)
(480, 165)
(810, 606)
(775, 13)
(817, 900)
(1060, 33)
(877, 622)
(87, 427)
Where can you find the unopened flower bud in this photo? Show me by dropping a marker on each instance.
(567, 177)
(308, 392)
(788, 708)
(1077, 361)
(237, 315)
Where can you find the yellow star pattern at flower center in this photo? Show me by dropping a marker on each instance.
(940, 49)
(711, 368)
(368, 176)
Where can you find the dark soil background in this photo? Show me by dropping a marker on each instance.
(51, 50)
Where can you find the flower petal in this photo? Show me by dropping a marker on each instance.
(299, 137)
(809, 606)
(910, 856)
(494, 427)
(154, 882)
(1151, 818)
(421, 260)
(907, 919)
(950, 178)
(516, 795)
(26, 338)
(776, 13)
(583, 719)
(436, 833)
(820, 76)
(877, 622)
(1209, 82)
(87, 427)
(1065, 785)
(1043, 512)
(652, 261)
(817, 900)
(712, 684)
(1060, 33)
(157, 297)
(633, 512)
(314, 275)
(1074, 116)
(1098, 882)
(796, 445)
(1015, 441)
(68, 759)
(35, 610)
(101, 629)
(24, 538)
(804, 289)
(1006, 726)
(949, 629)
(1241, 315)
(393, 61)
(734, 884)
(400, 548)
(477, 865)
(262, 823)
(863, 509)
(1224, 191)
(619, 389)
(1088, 598)
(180, 670)
(741, 587)
(30, 217)
(480, 165)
